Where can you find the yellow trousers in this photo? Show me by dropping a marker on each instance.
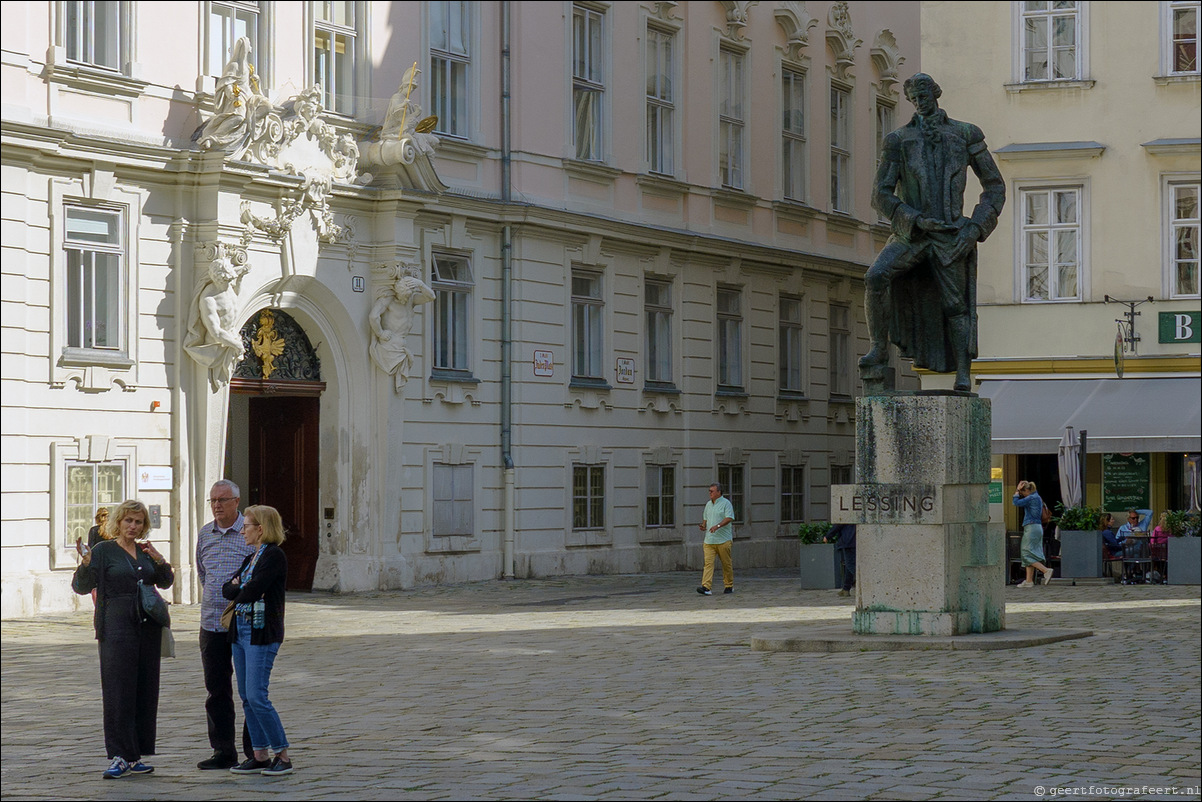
(722, 551)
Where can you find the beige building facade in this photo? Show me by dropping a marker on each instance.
(467, 290)
(1092, 112)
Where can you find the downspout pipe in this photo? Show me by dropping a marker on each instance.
(506, 300)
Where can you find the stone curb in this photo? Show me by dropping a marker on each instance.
(843, 641)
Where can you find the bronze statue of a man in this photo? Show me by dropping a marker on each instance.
(921, 290)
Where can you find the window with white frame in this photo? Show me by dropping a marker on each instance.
(731, 477)
(793, 135)
(657, 303)
(1051, 40)
(1051, 243)
(90, 485)
(228, 22)
(588, 82)
(661, 496)
(841, 351)
(731, 124)
(730, 338)
(94, 241)
(1181, 37)
(792, 345)
(792, 493)
(886, 121)
(588, 313)
(92, 32)
(453, 500)
(1183, 239)
(840, 149)
(450, 65)
(335, 39)
(452, 284)
(588, 496)
(661, 101)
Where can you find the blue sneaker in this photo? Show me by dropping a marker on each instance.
(141, 768)
(117, 769)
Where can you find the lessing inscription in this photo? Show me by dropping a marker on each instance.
(881, 503)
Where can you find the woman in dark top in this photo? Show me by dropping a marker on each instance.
(130, 643)
(97, 533)
(257, 591)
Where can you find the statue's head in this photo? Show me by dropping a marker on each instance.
(920, 80)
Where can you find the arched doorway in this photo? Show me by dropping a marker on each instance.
(273, 438)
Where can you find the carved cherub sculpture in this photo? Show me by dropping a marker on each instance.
(391, 320)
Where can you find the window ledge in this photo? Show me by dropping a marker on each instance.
(1025, 151)
(661, 185)
(90, 78)
(1181, 78)
(1172, 146)
(593, 171)
(461, 148)
(585, 383)
(731, 392)
(1038, 86)
(455, 376)
(794, 209)
(841, 399)
(85, 357)
(736, 198)
(788, 396)
(662, 388)
(844, 222)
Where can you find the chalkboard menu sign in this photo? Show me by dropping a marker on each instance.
(1126, 479)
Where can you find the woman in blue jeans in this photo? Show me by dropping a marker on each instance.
(257, 591)
(1027, 499)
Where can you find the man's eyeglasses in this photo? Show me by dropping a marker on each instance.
(221, 500)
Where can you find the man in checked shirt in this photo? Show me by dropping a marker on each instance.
(220, 550)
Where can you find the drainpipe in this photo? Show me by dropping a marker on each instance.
(180, 470)
(506, 303)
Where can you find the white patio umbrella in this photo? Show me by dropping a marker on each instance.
(1070, 469)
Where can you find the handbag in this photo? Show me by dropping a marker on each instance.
(227, 617)
(153, 604)
(167, 647)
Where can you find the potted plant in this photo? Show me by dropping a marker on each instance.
(1185, 547)
(1080, 541)
(819, 563)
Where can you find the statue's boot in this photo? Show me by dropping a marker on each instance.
(877, 310)
(961, 331)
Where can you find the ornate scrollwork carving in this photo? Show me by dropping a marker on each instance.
(887, 58)
(737, 12)
(841, 38)
(796, 21)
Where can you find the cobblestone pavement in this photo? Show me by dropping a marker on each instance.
(636, 687)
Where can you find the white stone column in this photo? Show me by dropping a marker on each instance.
(928, 562)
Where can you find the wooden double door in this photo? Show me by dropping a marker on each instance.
(284, 471)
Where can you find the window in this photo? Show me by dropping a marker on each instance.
(792, 353)
(334, 57)
(1051, 244)
(658, 305)
(1183, 37)
(1051, 32)
(90, 485)
(1183, 240)
(661, 108)
(792, 494)
(588, 308)
(731, 479)
(841, 474)
(730, 339)
(661, 495)
(94, 245)
(452, 285)
(229, 22)
(793, 135)
(840, 350)
(588, 87)
(453, 504)
(93, 33)
(450, 63)
(840, 149)
(588, 496)
(730, 119)
(886, 121)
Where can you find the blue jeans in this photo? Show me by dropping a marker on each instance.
(253, 666)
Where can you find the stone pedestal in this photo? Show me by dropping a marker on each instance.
(928, 562)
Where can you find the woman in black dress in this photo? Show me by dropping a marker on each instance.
(130, 643)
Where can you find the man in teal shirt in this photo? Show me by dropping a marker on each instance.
(716, 523)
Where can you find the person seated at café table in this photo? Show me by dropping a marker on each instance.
(1112, 547)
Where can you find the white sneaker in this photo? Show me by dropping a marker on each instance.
(1026, 584)
(1047, 576)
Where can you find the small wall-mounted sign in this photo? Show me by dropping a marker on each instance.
(1180, 327)
(358, 284)
(156, 516)
(544, 363)
(625, 370)
(154, 479)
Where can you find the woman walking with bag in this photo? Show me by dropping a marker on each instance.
(256, 593)
(121, 569)
(1027, 499)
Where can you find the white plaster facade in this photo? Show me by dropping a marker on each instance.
(668, 226)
